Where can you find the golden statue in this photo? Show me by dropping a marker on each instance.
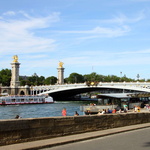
(61, 64)
(15, 57)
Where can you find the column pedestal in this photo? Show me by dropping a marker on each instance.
(60, 75)
(14, 83)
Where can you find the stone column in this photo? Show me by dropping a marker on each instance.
(15, 76)
(60, 73)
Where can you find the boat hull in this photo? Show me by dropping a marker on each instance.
(3, 104)
(21, 100)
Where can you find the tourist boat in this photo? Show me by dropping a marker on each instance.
(111, 101)
(25, 99)
(95, 109)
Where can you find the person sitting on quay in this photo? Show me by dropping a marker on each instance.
(114, 111)
(119, 111)
(138, 108)
(125, 106)
(88, 112)
(102, 112)
(76, 113)
(64, 112)
(17, 117)
(147, 106)
(135, 108)
(99, 113)
(109, 111)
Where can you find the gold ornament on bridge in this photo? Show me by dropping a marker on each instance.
(15, 57)
(61, 64)
(92, 83)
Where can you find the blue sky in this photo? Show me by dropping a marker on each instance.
(102, 36)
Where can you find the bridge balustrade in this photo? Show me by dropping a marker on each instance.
(143, 86)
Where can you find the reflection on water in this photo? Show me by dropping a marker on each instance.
(41, 110)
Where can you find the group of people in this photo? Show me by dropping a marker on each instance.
(106, 111)
(137, 109)
(147, 106)
(64, 112)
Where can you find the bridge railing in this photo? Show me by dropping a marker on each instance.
(132, 85)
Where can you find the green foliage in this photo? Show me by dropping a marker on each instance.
(32, 80)
(37, 80)
(5, 77)
(50, 80)
(75, 78)
(93, 77)
(41, 80)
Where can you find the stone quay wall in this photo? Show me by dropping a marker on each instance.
(23, 130)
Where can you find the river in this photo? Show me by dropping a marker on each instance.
(41, 110)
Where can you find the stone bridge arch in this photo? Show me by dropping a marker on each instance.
(5, 90)
(24, 91)
(66, 92)
(69, 93)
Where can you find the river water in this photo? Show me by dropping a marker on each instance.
(41, 110)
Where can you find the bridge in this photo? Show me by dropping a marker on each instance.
(64, 91)
(61, 92)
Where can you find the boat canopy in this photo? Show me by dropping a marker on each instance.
(123, 95)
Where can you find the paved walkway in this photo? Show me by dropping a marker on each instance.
(35, 145)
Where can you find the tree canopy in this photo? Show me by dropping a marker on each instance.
(5, 78)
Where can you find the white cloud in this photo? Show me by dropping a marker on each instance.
(9, 13)
(123, 19)
(118, 26)
(147, 51)
(20, 34)
(100, 32)
(104, 58)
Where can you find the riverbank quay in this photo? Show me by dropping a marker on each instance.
(47, 143)
(26, 130)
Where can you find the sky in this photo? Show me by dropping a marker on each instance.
(109, 37)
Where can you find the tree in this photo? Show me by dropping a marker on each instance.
(50, 80)
(32, 80)
(35, 80)
(66, 80)
(5, 77)
(75, 78)
(23, 82)
(41, 80)
(93, 77)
